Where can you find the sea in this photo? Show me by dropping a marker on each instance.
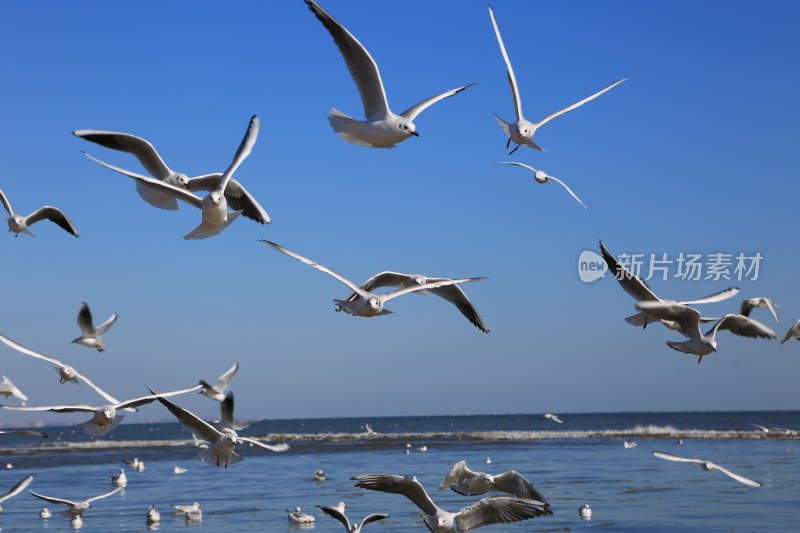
(581, 461)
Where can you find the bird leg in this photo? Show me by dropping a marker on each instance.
(700, 359)
(226, 462)
(514, 150)
(507, 145)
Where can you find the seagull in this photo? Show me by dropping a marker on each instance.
(640, 292)
(498, 509)
(761, 303)
(217, 392)
(75, 508)
(90, 336)
(467, 482)
(551, 416)
(186, 509)
(19, 224)
(794, 332)
(214, 207)
(688, 319)
(16, 489)
(105, 417)
(226, 419)
(351, 528)
(65, 372)
(452, 293)
(761, 428)
(541, 177)
(120, 480)
(7, 388)
(382, 128)
(522, 131)
(585, 512)
(223, 442)
(153, 516)
(179, 470)
(369, 304)
(299, 517)
(45, 513)
(629, 445)
(24, 432)
(237, 196)
(132, 463)
(140, 466)
(708, 465)
(319, 475)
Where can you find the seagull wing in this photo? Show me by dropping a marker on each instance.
(560, 112)
(412, 112)
(425, 286)
(720, 296)
(372, 518)
(190, 421)
(743, 326)
(6, 203)
(143, 400)
(382, 279)
(568, 190)
(26, 432)
(498, 510)
(54, 500)
(512, 80)
(737, 477)
(516, 164)
(337, 514)
(687, 317)
(16, 489)
(677, 459)
(794, 331)
(100, 391)
(629, 282)
(226, 412)
(106, 495)
(514, 483)
(225, 379)
(85, 322)
(459, 472)
(12, 344)
(279, 447)
(408, 487)
(456, 296)
(53, 215)
(362, 67)
(105, 326)
(245, 147)
(160, 186)
(82, 408)
(125, 142)
(239, 199)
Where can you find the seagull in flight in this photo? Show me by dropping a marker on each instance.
(90, 335)
(105, 417)
(75, 508)
(16, 489)
(24, 432)
(368, 304)
(339, 515)
(522, 131)
(541, 177)
(761, 303)
(452, 293)
(7, 388)
(382, 128)
(19, 224)
(708, 466)
(237, 196)
(214, 206)
(64, 371)
(467, 482)
(688, 319)
(217, 391)
(498, 509)
(794, 332)
(552, 417)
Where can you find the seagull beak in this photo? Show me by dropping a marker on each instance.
(415, 134)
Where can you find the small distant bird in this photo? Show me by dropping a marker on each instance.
(299, 517)
(708, 466)
(319, 475)
(679, 442)
(217, 391)
(153, 516)
(140, 467)
(542, 177)
(179, 470)
(193, 517)
(339, 515)
(45, 513)
(488, 460)
(186, 509)
(494, 510)
(628, 445)
(120, 480)
(16, 489)
(585, 512)
(75, 508)
(467, 482)
(382, 128)
(7, 388)
(522, 131)
(552, 417)
(422, 448)
(761, 303)
(19, 224)
(794, 332)
(90, 335)
(24, 432)
(132, 463)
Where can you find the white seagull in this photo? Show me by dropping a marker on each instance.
(299, 517)
(382, 128)
(467, 482)
(351, 528)
(217, 391)
(222, 442)
(19, 224)
(214, 207)
(16, 489)
(369, 304)
(708, 465)
(638, 289)
(522, 131)
(551, 417)
(75, 508)
(153, 515)
(688, 319)
(120, 480)
(45, 513)
(7, 388)
(105, 417)
(585, 512)
(64, 371)
(237, 196)
(186, 509)
(794, 332)
(90, 335)
(761, 303)
(452, 293)
(498, 509)
(542, 177)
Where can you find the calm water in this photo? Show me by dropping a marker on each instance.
(581, 461)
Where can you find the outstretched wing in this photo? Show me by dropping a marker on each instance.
(677, 459)
(560, 112)
(720, 296)
(512, 80)
(568, 190)
(143, 400)
(53, 215)
(125, 142)
(54, 500)
(334, 512)
(225, 379)
(245, 147)
(190, 421)
(629, 282)
(106, 495)
(743, 326)
(514, 483)
(459, 472)
(105, 326)
(408, 487)
(425, 286)
(412, 112)
(239, 199)
(279, 447)
(18, 347)
(16, 489)
(85, 321)
(6, 203)
(737, 477)
(499, 510)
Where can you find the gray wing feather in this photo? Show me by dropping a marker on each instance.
(125, 142)
(408, 487)
(102, 328)
(16, 489)
(190, 421)
(629, 282)
(53, 215)
(744, 327)
(498, 510)
(412, 112)
(514, 483)
(85, 321)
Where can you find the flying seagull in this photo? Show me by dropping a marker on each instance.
(368, 304)
(522, 131)
(708, 466)
(7, 388)
(452, 293)
(75, 508)
(19, 224)
(551, 417)
(382, 128)
(237, 196)
(16, 489)
(467, 482)
(498, 509)
(794, 332)
(90, 335)
(217, 391)
(688, 319)
(541, 177)
(214, 207)
(761, 303)
(350, 528)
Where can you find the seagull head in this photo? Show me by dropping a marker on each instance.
(408, 128)
(183, 180)
(488, 479)
(374, 304)
(108, 413)
(67, 373)
(216, 198)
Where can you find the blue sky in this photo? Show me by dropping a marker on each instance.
(696, 152)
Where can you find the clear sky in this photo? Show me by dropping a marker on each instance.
(695, 153)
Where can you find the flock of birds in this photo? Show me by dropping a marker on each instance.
(227, 199)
